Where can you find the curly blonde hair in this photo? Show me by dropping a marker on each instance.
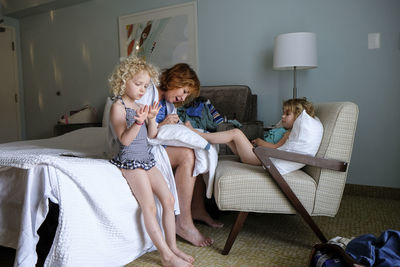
(297, 105)
(125, 71)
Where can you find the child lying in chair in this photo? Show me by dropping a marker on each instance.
(243, 148)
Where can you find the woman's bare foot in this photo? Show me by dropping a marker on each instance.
(192, 235)
(182, 255)
(175, 261)
(203, 216)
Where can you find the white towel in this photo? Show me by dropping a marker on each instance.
(205, 153)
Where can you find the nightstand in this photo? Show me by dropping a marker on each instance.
(60, 129)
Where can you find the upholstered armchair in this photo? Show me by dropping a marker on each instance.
(314, 190)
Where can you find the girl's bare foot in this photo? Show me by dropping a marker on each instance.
(189, 125)
(175, 261)
(182, 255)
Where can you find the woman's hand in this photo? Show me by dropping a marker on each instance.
(170, 119)
(141, 114)
(153, 110)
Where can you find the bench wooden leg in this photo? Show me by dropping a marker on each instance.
(234, 231)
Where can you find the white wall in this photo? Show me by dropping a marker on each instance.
(74, 49)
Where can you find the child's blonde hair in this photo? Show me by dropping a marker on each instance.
(125, 71)
(297, 105)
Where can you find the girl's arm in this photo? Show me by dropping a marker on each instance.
(118, 121)
(260, 142)
(152, 129)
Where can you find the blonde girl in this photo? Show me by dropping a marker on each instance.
(132, 124)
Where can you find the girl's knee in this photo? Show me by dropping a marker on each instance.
(236, 131)
(237, 134)
(168, 202)
(151, 209)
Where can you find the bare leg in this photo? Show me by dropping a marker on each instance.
(160, 189)
(139, 183)
(182, 161)
(199, 211)
(235, 139)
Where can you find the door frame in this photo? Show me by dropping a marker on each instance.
(16, 80)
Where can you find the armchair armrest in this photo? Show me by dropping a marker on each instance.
(264, 152)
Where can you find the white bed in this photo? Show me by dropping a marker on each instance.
(100, 222)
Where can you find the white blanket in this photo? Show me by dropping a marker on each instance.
(205, 153)
(100, 223)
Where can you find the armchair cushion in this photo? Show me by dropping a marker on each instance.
(244, 187)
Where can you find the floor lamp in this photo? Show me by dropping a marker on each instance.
(297, 51)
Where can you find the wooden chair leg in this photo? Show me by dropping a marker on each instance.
(287, 191)
(234, 231)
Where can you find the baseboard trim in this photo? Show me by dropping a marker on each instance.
(372, 191)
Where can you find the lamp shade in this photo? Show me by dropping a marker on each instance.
(297, 49)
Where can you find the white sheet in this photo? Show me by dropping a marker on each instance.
(100, 223)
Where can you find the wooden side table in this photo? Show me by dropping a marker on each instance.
(60, 129)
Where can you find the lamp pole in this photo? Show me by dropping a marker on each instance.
(294, 83)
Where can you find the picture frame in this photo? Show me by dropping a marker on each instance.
(163, 36)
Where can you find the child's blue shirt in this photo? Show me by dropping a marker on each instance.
(274, 135)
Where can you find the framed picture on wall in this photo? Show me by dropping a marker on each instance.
(164, 36)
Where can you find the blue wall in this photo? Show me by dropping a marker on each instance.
(74, 50)
(236, 46)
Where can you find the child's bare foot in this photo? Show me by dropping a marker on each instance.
(182, 255)
(189, 125)
(175, 261)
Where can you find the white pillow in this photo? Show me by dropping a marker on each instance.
(304, 138)
(106, 113)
